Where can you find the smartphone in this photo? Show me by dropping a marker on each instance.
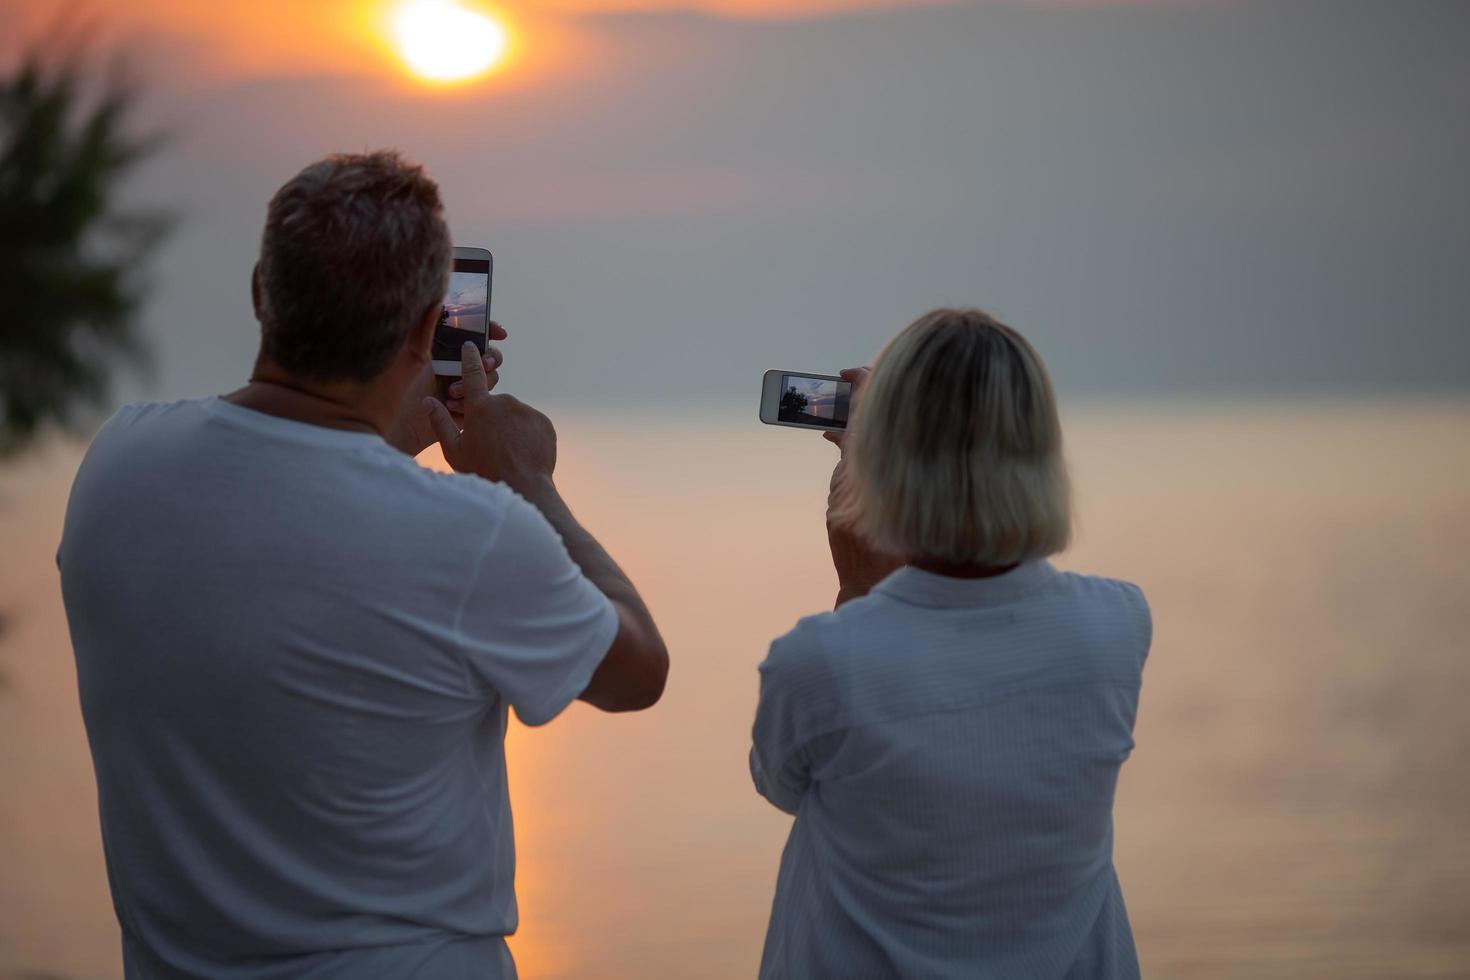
(805, 401)
(465, 314)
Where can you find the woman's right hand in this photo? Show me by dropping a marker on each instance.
(859, 567)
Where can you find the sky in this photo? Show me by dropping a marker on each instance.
(466, 294)
(1201, 198)
(821, 395)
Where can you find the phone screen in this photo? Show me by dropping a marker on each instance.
(466, 311)
(813, 401)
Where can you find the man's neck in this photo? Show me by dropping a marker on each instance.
(331, 404)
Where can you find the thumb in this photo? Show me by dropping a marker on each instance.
(444, 427)
(472, 362)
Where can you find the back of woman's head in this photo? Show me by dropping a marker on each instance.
(955, 451)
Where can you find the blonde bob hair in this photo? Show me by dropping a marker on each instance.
(954, 450)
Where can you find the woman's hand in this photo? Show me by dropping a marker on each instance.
(859, 567)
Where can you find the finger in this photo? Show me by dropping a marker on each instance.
(834, 437)
(473, 366)
(492, 378)
(456, 388)
(493, 358)
(856, 375)
(444, 427)
(455, 406)
(497, 332)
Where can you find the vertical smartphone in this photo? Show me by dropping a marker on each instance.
(465, 314)
(805, 401)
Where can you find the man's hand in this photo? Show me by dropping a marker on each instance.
(412, 431)
(503, 438)
(507, 440)
(859, 567)
(451, 390)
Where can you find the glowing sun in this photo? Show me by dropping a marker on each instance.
(444, 42)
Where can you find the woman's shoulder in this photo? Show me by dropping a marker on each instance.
(803, 647)
(814, 635)
(1112, 598)
(825, 644)
(1101, 587)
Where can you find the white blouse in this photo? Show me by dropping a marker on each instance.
(950, 748)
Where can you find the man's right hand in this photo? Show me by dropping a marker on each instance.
(503, 439)
(508, 441)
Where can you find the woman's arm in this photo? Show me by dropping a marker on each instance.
(859, 567)
(798, 723)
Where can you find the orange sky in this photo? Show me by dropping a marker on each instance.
(259, 38)
(266, 37)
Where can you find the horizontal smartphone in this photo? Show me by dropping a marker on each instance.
(465, 314)
(805, 401)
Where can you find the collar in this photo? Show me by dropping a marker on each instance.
(921, 588)
(289, 429)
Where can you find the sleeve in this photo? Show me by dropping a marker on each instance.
(1143, 620)
(533, 627)
(96, 449)
(797, 722)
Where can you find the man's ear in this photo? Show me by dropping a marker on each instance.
(255, 291)
(421, 338)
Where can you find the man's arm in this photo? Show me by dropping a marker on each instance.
(508, 441)
(631, 677)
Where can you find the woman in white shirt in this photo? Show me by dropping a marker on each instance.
(949, 737)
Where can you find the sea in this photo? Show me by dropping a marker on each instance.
(1298, 804)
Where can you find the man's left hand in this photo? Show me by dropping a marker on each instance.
(412, 431)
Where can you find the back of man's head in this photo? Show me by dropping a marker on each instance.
(354, 255)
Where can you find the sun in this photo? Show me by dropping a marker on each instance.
(444, 42)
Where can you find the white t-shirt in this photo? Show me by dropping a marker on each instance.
(295, 650)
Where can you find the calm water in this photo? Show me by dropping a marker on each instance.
(1296, 807)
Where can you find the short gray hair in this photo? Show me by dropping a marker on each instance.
(354, 255)
(955, 449)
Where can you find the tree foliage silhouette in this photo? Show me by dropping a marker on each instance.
(793, 401)
(72, 260)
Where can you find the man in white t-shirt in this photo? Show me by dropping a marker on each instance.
(296, 647)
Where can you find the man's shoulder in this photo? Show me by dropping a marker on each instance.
(143, 412)
(160, 428)
(139, 429)
(472, 502)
